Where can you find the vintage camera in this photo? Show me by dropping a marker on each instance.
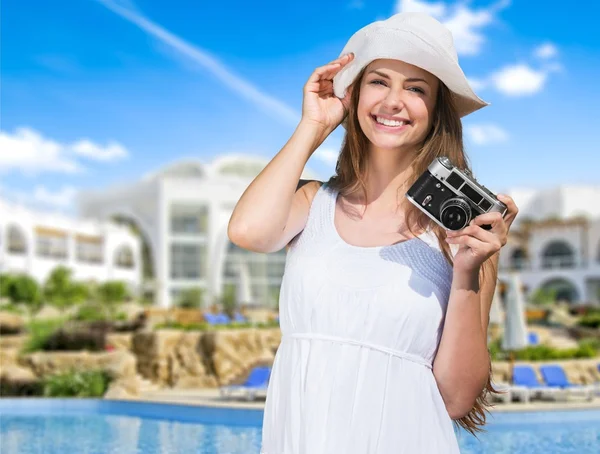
(451, 196)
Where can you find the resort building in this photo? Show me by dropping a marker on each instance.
(34, 243)
(182, 213)
(555, 242)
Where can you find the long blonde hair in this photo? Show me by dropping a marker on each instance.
(444, 139)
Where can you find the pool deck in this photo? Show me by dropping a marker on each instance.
(212, 398)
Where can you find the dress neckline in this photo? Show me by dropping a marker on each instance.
(334, 193)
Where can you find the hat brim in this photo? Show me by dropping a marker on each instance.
(383, 43)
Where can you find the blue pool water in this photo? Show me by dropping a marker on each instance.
(81, 426)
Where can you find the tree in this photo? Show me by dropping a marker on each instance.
(111, 292)
(228, 300)
(61, 291)
(23, 289)
(191, 298)
(543, 296)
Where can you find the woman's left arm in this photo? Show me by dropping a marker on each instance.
(462, 362)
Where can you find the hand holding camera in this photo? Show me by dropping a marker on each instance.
(473, 216)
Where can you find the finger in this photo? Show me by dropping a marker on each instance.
(320, 71)
(511, 206)
(473, 242)
(494, 219)
(476, 231)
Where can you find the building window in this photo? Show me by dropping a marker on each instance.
(518, 259)
(124, 257)
(558, 254)
(90, 249)
(188, 261)
(264, 272)
(51, 243)
(17, 244)
(562, 290)
(189, 219)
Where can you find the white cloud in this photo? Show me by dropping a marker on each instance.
(26, 150)
(263, 101)
(96, 152)
(437, 10)
(518, 80)
(466, 24)
(327, 154)
(486, 134)
(477, 84)
(545, 51)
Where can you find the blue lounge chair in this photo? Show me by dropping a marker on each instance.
(211, 319)
(555, 376)
(237, 317)
(533, 338)
(223, 318)
(525, 376)
(257, 381)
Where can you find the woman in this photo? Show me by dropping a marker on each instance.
(383, 313)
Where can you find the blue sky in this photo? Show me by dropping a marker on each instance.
(98, 92)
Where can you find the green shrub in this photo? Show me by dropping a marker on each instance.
(112, 292)
(543, 296)
(5, 282)
(183, 327)
(59, 289)
(39, 331)
(591, 320)
(92, 312)
(191, 298)
(77, 384)
(544, 352)
(208, 327)
(22, 289)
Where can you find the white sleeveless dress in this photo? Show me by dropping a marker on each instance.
(360, 329)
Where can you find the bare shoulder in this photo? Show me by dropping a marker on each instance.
(310, 188)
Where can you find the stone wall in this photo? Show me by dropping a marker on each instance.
(183, 359)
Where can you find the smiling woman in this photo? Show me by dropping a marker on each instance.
(383, 315)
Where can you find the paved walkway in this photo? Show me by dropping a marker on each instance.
(212, 398)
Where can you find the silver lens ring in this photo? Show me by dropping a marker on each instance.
(455, 213)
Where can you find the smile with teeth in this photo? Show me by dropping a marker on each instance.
(389, 123)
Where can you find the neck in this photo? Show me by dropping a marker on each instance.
(386, 177)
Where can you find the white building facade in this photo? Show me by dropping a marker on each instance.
(556, 242)
(35, 243)
(183, 212)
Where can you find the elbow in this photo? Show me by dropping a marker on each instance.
(241, 237)
(458, 410)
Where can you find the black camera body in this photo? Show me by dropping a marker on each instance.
(452, 197)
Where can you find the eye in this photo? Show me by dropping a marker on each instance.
(378, 80)
(417, 90)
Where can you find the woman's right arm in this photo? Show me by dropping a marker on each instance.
(274, 207)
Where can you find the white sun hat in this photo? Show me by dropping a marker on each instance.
(414, 38)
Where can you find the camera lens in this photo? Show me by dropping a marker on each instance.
(455, 213)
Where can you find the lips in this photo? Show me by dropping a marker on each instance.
(404, 123)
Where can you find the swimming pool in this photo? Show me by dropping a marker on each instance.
(88, 426)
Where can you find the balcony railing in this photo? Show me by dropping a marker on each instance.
(558, 262)
(546, 263)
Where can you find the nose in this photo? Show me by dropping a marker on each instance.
(393, 101)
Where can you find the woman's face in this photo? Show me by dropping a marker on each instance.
(400, 95)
